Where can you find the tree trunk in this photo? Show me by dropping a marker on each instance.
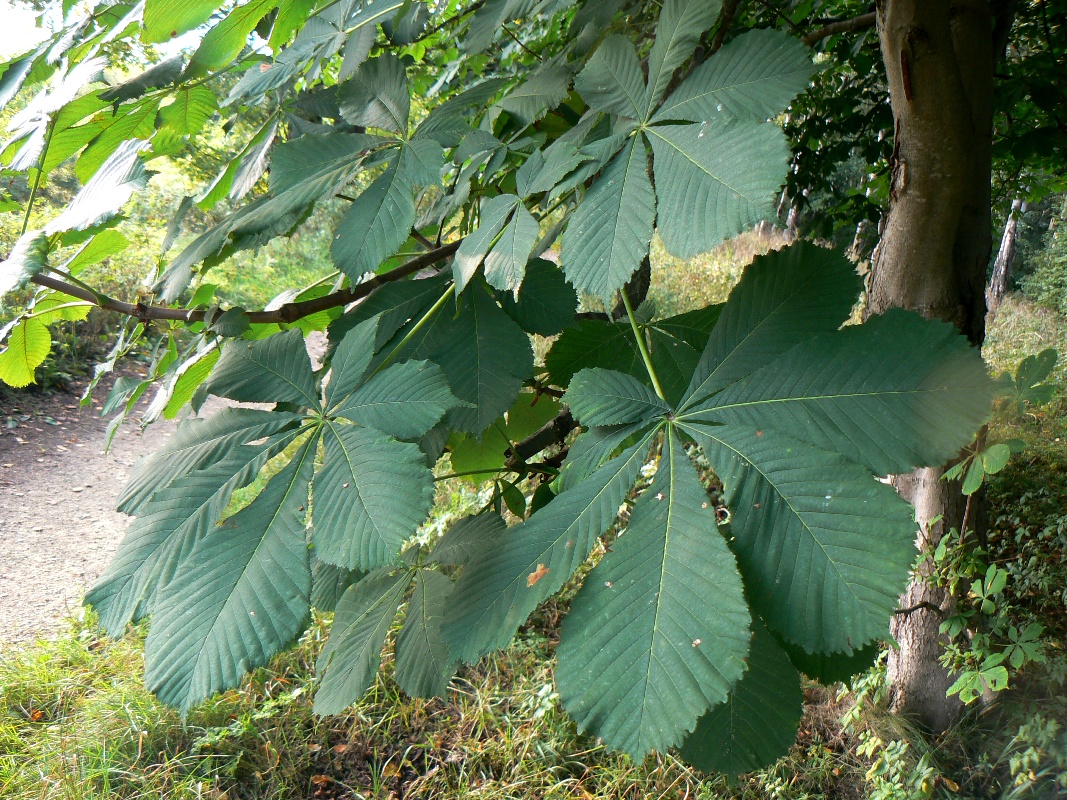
(998, 284)
(939, 57)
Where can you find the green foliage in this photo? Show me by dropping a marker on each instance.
(443, 152)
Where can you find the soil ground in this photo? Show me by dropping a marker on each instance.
(58, 525)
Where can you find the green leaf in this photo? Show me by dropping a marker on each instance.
(376, 96)
(292, 14)
(830, 668)
(350, 360)
(600, 397)
(224, 41)
(468, 539)
(995, 458)
(498, 590)
(238, 599)
(537, 95)
(166, 19)
(484, 354)
(681, 24)
(371, 495)
(784, 297)
(28, 345)
(753, 76)
(421, 161)
(447, 122)
(825, 548)
(350, 658)
(547, 303)
(138, 122)
(188, 379)
(475, 246)
(505, 264)
(659, 630)
(758, 723)
(612, 80)
(394, 305)
(198, 444)
(168, 528)
(318, 164)
(609, 233)
(894, 393)
(376, 225)
(423, 664)
(28, 257)
(105, 244)
(192, 107)
(329, 582)
(272, 370)
(715, 180)
(593, 343)
(107, 191)
(404, 401)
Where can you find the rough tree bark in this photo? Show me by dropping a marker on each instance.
(939, 57)
(998, 283)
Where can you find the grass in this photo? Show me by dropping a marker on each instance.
(77, 724)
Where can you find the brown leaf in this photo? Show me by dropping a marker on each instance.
(536, 575)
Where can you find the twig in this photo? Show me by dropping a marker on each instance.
(841, 26)
(918, 607)
(287, 313)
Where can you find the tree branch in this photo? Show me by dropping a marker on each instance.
(552, 432)
(287, 313)
(726, 19)
(841, 26)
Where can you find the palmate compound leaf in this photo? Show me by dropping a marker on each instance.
(499, 589)
(349, 661)
(610, 231)
(659, 631)
(423, 663)
(892, 394)
(198, 444)
(168, 528)
(715, 179)
(371, 494)
(758, 722)
(241, 596)
(494, 215)
(272, 370)
(753, 76)
(824, 547)
(783, 297)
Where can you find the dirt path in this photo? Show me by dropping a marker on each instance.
(58, 526)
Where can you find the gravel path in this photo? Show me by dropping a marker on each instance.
(58, 526)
